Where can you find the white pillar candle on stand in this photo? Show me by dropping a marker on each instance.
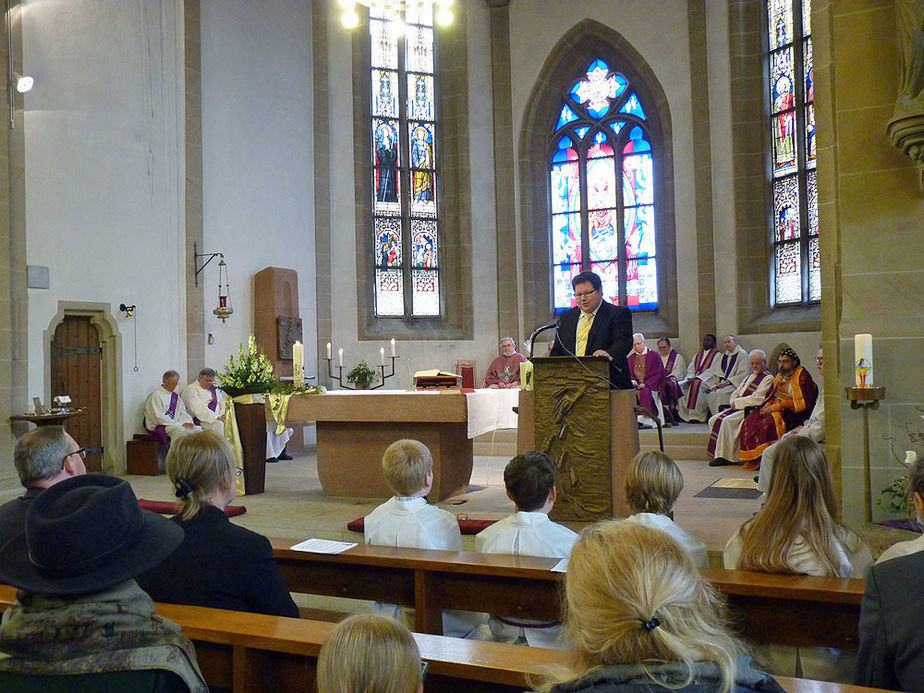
(328, 350)
(382, 355)
(863, 359)
(392, 346)
(298, 364)
(340, 357)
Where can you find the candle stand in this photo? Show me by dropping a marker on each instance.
(865, 398)
(346, 386)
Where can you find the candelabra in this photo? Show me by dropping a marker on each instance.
(340, 380)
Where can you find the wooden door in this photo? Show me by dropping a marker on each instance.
(76, 360)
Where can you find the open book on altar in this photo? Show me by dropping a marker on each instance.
(435, 379)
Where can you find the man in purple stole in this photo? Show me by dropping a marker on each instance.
(725, 426)
(205, 402)
(164, 412)
(729, 370)
(674, 370)
(698, 382)
(788, 405)
(647, 374)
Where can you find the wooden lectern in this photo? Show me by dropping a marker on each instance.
(589, 431)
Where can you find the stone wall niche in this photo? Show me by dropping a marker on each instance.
(906, 128)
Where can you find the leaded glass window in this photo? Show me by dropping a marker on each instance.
(405, 223)
(602, 145)
(796, 262)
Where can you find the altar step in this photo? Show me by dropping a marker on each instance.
(684, 442)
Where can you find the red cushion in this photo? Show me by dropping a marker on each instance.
(465, 526)
(173, 508)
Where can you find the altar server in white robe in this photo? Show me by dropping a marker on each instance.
(164, 411)
(205, 402)
(729, 370)
(530, 481)
(814, 428)
(725, 427)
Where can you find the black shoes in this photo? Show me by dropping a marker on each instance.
(284, 456)
(720, 462)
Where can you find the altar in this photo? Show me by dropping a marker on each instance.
(355, 427)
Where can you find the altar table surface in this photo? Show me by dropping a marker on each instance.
(355, 427)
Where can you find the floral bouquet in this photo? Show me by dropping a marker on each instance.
(251, 372)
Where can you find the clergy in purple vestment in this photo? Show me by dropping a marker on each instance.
(647, 373)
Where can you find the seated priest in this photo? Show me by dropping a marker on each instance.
(788, 405)
(725, 426)
(647, 375)
(699, 380)
(164, 412)
(729, 371)
(674, 370)
(504, 371)
(205, 402)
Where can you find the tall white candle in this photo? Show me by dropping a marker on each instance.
(863, 359)
(298, 364)
(340, 357)
(328, 350)
(393, 347)
(382, 355)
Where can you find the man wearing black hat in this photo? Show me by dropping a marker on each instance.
(43, 457)
(79, 612)
(788, 405)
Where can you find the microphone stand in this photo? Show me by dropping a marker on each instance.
(537, 332)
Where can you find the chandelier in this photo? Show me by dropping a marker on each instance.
(396, 10)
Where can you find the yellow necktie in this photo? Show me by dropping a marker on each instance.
(587, 319)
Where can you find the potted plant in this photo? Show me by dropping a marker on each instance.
(362, 376)
(252, 372)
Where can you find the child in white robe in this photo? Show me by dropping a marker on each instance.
(530, 482)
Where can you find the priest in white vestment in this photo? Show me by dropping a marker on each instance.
(164, 411)
(699, 379)
(725, 427)
(729, 370)
(205, 402)
(675, 369)
(814, 428)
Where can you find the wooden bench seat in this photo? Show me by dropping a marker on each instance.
(250, 653)
(762, 604)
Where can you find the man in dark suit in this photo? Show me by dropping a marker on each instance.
(608, 335)
(891, 654)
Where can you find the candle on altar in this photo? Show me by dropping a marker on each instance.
(382, 355)
(328, 351)
(392, 346)
(298, 364)
(863, 359)
(340, 357)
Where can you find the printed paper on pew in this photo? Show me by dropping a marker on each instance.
(560, 567)
(323, 546)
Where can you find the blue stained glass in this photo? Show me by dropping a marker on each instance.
(637, 142)
(581, 132)
(566, 187)
(565, 155)
(637, 180)
(617, 126)
(601, 184)
(599, 151)
(566, 239)
(599, 137)
(561, 286)
(566, 116)
(598, 89)
(604, 243)
(565, 143)
(633, 106)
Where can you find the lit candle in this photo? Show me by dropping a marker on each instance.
(340, 357)
(863, 359)
(392, 347)
(382, 355)
(328, 351)
(298, 364)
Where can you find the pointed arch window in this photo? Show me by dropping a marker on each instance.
(796, 272)
(601, 171)
(405, 218)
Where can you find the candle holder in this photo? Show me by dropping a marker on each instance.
(339, 377)
(865, 398)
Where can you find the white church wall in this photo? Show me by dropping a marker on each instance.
(661, 39)
(257, 158)
(103, 198)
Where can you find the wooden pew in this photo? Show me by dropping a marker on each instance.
(762, 604)
(251, 652)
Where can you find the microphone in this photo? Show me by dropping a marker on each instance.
(542, 328)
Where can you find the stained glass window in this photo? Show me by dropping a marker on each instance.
(601, 178)
(405, 220)
(794, 234)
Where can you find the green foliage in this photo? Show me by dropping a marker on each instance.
(362, 374)
(894, 499)
(251, 372)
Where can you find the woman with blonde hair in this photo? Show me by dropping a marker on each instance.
(370, 653)
(219, 564)
(797, 531)
(653, 485)
(639, 617)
